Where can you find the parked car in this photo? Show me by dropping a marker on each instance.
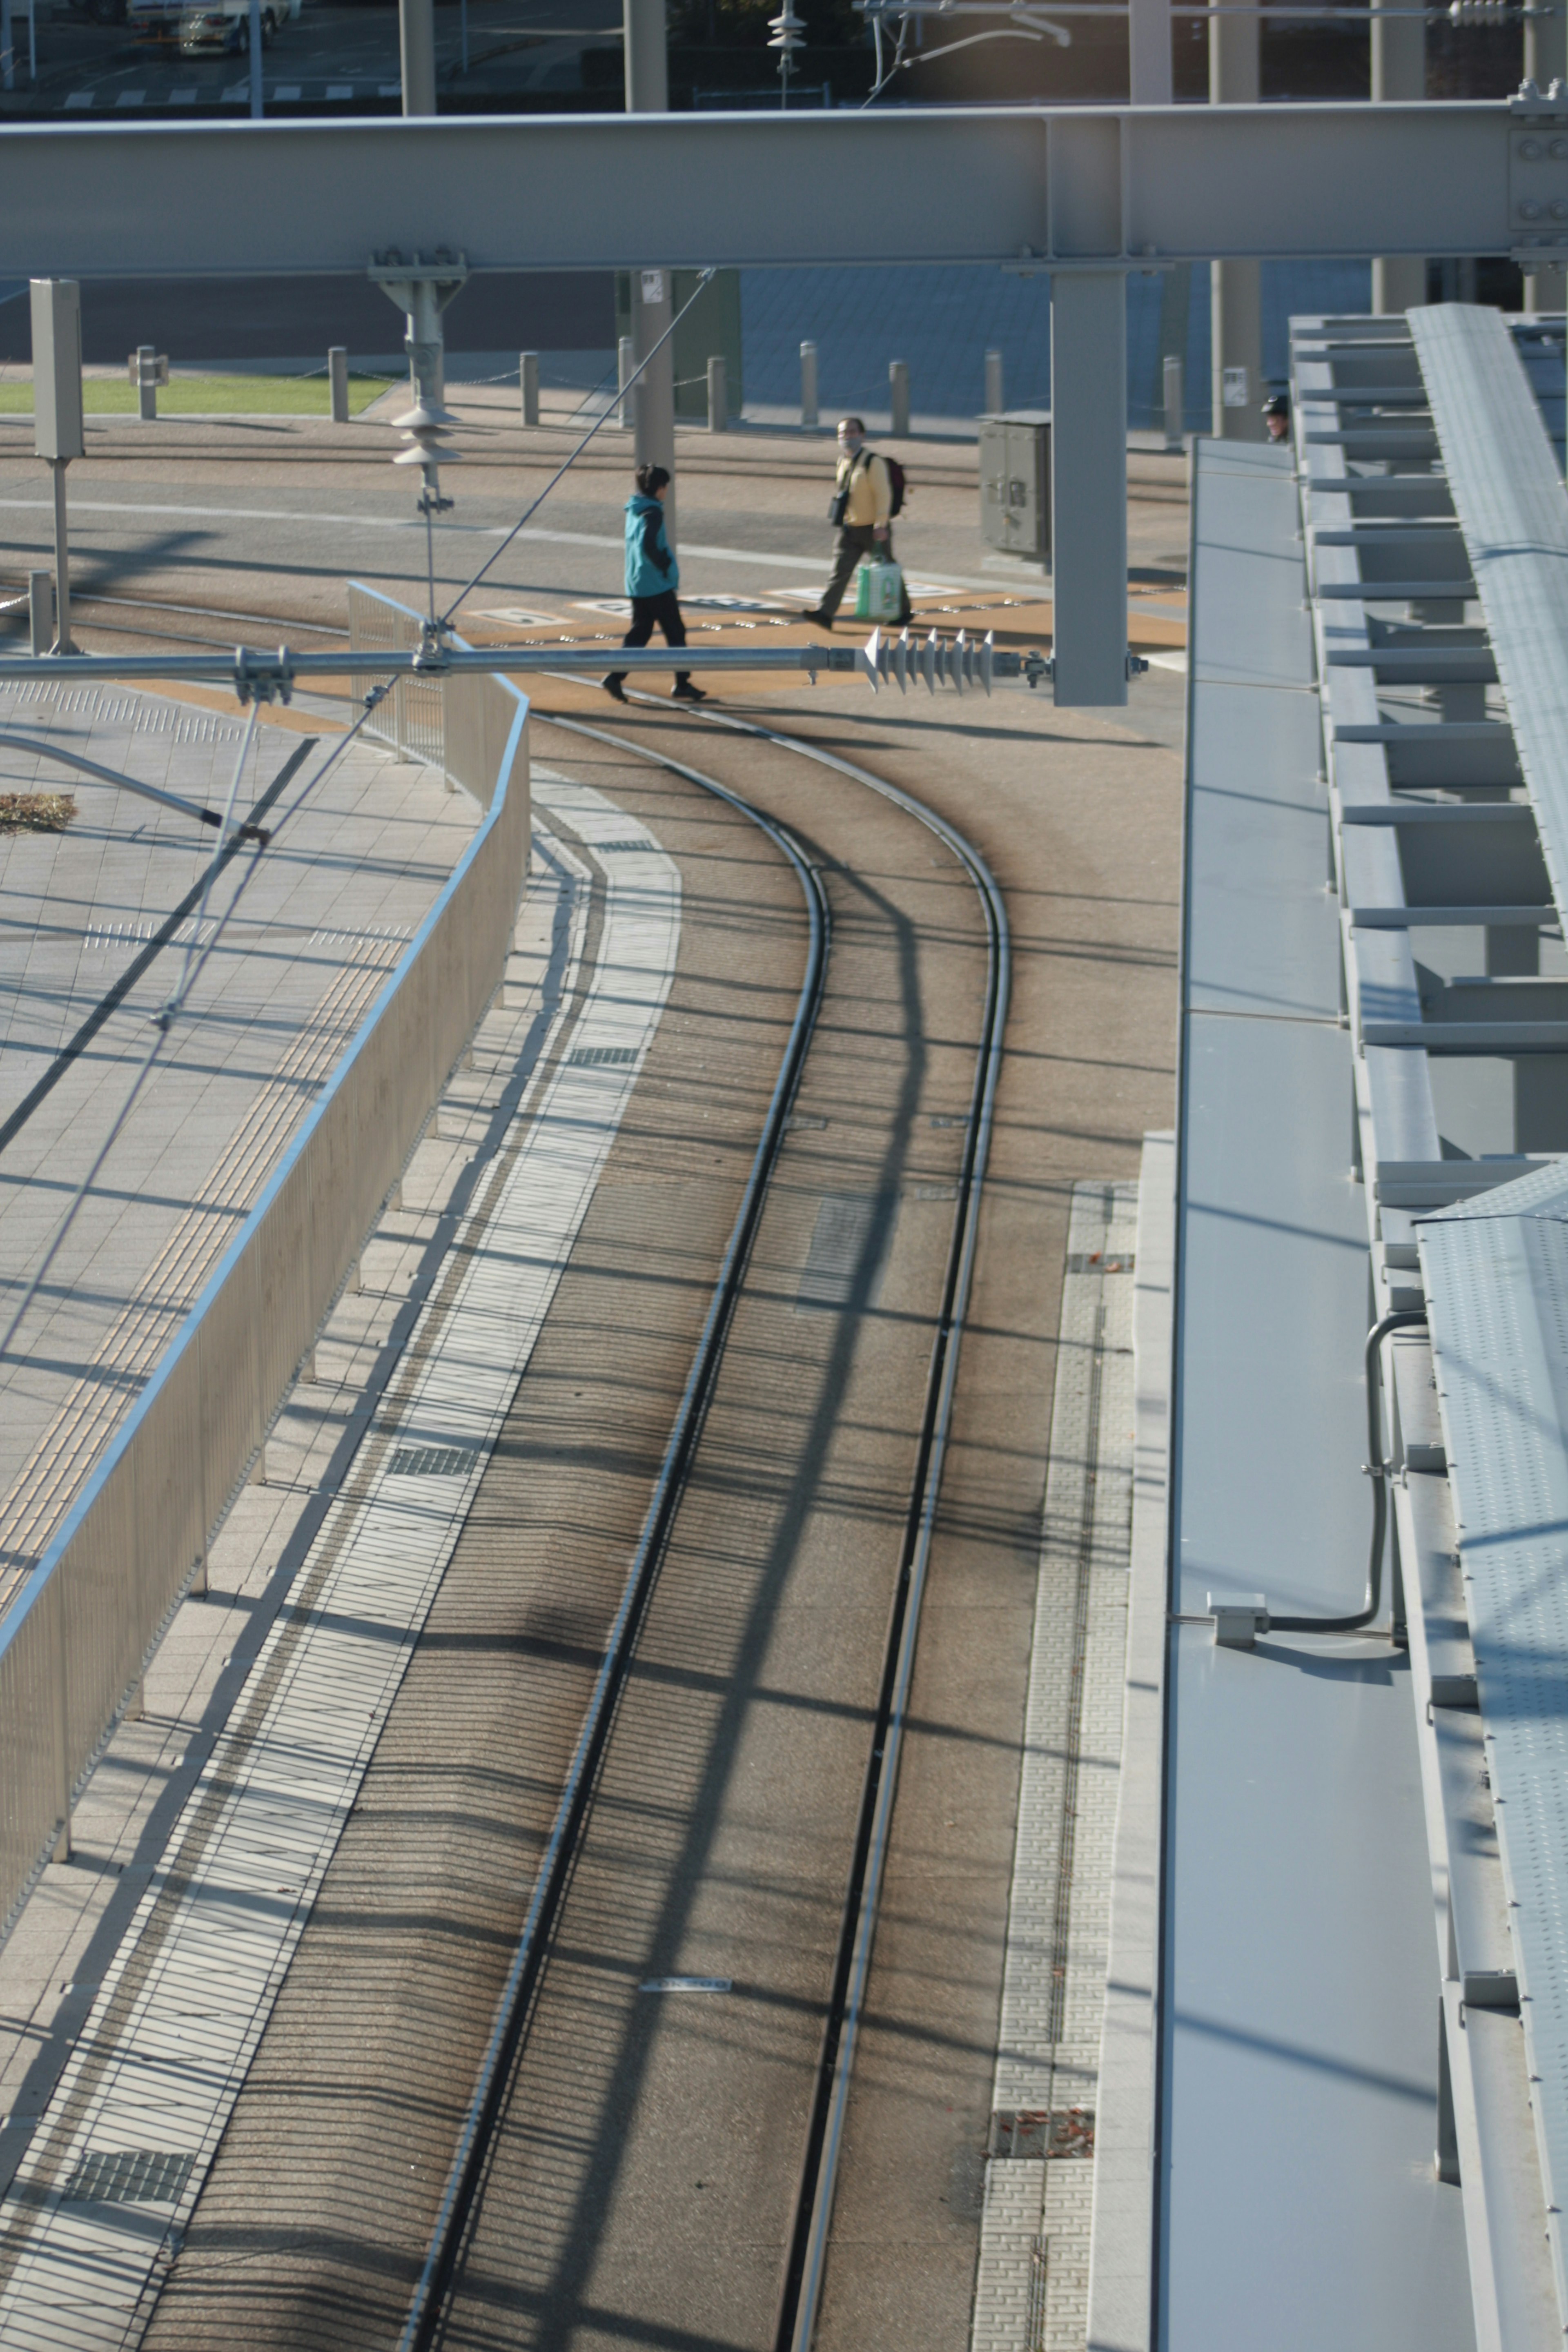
(208, 24)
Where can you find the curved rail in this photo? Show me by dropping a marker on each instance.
(807, 2239)
(467, 2173)
(814, 2210)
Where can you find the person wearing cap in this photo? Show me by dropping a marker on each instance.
(862, 507)
(1276, 416)
(652, 578)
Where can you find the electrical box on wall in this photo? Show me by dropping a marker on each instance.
(1015, 483)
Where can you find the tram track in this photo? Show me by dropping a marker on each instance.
(839, 2000)
(810, 2222)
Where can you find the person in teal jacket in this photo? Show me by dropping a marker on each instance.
(652, 578)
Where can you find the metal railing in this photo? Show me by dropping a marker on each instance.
(412, 716)
(84, 1626)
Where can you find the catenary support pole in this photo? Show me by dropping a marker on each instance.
(417, 34)
(808, 406)
(337, 383)
(253, 45)
(995, 397)
(653, 396)
(1089, 485)
(1545, 61)
(1398, 72)
(63, 644)
(1149, 64)
(1237, 287)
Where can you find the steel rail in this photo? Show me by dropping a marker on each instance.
(465, 2178)
(807, 2254)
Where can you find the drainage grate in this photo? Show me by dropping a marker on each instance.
(849, 1241)
(128, 2176)
(592, 1057)
(1040, 2132)
(430, 1462)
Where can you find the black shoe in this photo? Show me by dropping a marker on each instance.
(612, 685)
(683, 690)
(818, 619)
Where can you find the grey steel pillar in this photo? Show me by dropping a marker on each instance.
(1545, 61)
(809, 407)
(899, 397)
(994, 402)
(624, 363)
(1175, 398)
(1398, 73)
(528, 377)
(653, 394)
(417, 34)
(253, 44)
(338, 382)
(653, 401)
(1089, 485)
(1235, 287)
(147, 383)
(718, 397)
(40, 612)
(1149, 68)
(63, 643)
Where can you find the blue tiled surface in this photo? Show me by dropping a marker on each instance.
(943, 321)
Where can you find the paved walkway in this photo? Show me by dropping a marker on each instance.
(1032, 2291)
(97, 923)
(115, 2168)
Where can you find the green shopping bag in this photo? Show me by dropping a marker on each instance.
(879, 591)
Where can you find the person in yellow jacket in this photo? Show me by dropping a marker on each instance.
(862, 507)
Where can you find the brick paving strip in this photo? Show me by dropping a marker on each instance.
(96, 2211)
(1032, 2287)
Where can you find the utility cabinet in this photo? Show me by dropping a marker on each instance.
(1015, 483)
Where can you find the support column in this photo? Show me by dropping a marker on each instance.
(1237, 287)
(1149, 68)
(1089, 486)
(1545, 61)
(1398, 74)
(416, 33)
(653, 411)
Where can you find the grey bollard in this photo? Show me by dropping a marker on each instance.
(625, 363)
(995, 404)
(40, 612)
(718, 397)
(528, 377)
(899, 394)
(808, 408)
(147, 383)
(338, 382)
(1175, 404)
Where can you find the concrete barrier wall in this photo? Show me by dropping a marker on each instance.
(75, 1644)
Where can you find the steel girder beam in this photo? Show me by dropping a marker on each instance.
(1057, 187)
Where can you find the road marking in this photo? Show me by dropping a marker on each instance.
(79, 97)
(159, 2065)
(290, 90)
(131, 98)
(338, 90)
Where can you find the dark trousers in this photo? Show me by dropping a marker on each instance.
(661, 611)
(856, 542)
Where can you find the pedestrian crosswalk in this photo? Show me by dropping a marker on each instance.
(237, 93)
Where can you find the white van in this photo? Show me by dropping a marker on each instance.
(208, 24)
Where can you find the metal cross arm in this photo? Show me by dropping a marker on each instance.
(84, 664)
(961, 664)
(1063, 187)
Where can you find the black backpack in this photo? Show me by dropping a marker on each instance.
(896, 485)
